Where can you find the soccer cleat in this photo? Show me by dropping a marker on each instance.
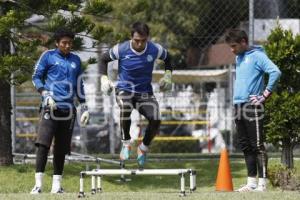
(57, 191)
(246, 188)
(125, 152)
(36, 190)
(260, 188)
(141, 157)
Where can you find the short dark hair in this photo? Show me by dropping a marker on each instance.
(140, 28)
(63, 32)
(236, 35)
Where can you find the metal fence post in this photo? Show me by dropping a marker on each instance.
(230, 68)
(251, 22)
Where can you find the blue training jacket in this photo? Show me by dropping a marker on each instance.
(59, 74)
(250, 69)
(135, 68)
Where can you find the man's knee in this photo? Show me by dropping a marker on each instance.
(257, 147)
(154, 123)
(246, 148)
(253, 149)
(61, 149)
(42, 150)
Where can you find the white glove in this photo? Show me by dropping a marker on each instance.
(106, 85)
(85, 116)
(165, 83)
(48, 101)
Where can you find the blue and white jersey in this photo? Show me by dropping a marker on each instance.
(250, 69)
(60, 75)
(135, 68)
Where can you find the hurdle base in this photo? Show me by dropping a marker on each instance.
(123, 180)
(81, 195)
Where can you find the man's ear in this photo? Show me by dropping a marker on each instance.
(244, 42)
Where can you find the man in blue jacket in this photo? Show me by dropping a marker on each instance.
(57, 78)
(134, 90)
(252, 64)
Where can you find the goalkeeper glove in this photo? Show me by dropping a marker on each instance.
(48, 101)
(85, 115)
(106, 85)
(260, 99)
(165, 83)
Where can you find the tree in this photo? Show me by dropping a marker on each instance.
(28, 38)
(283, 108)
(185, 27)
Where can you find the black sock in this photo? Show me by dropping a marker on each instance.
(251, 163)
(58, 163)
(41, 158)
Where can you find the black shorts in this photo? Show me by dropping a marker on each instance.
(59, 125)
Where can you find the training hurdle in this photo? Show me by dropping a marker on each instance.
(99, 173)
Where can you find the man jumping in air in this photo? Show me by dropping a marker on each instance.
(134, 90)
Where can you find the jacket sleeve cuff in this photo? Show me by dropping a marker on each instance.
(81, 101)
(40, 89)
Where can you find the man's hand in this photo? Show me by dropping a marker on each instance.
(106, 85)
(85, 116)
(260, 99)
(48, 101)
(165, 83)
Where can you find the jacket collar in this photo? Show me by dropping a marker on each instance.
(61, 54)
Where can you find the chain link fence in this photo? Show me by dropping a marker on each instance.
(197, 114)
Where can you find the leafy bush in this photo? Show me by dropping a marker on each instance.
(283, 177)
(282, 109)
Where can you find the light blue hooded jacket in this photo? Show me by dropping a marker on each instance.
(250, 69)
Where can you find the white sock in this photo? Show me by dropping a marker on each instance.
(143, 147)
(262, 181)
(251, 181)
(39, 179)
(56, 182)
(126, 142)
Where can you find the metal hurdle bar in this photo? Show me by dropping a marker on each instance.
(99, 173)
(73, 157)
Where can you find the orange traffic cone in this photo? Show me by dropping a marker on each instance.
(224, 179)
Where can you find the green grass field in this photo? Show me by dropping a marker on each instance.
(16, 182)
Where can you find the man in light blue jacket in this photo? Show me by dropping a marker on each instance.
(250, 93)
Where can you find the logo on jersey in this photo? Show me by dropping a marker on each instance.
(73, 65)
(126, 57)
(149, 58)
